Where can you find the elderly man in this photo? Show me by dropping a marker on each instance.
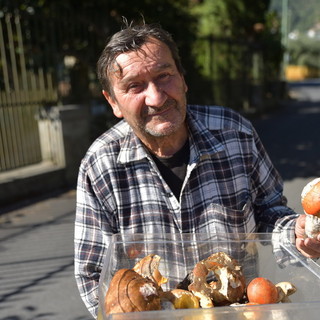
(169, 167)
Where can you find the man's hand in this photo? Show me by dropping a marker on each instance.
(307, 246)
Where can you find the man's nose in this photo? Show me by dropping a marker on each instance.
(154, 95)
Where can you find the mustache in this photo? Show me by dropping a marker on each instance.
(154, 110)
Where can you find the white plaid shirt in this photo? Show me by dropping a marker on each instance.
(230, 186)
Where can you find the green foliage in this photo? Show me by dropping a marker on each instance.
(236, 28)
(218, 39)
(304, 52)
(229, 18)
(99, 19)
(272, 49)
(303, 15)
(81, 28)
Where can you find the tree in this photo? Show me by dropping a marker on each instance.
(237, 41)
(246, 21)
(304, 52)
(58, 29)
(302, 15)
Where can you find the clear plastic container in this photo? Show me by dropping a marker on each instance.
(260, 255)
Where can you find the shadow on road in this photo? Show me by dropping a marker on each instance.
(36, 247)
(292, 135)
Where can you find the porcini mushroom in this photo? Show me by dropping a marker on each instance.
(148, 267)
(227, 288)
(285, 289)
(129, 292)
(182, 299)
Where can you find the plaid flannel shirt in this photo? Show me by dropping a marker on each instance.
(230, 186)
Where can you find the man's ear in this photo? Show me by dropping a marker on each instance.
(185, 85)
(113, 103)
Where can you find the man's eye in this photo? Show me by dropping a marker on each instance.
(134, 87)
(163, 76)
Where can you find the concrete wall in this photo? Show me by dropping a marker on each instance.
(64, 137)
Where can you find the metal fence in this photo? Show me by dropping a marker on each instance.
(47, 58)
(23, 92)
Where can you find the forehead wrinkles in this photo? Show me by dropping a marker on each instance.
(149, 54)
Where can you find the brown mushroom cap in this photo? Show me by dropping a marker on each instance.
(129, 292)
(310, 198)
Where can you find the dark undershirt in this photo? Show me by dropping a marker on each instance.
(173, 169)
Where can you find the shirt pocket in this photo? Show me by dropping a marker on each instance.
(221, 219)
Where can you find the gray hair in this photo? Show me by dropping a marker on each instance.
(132, 38)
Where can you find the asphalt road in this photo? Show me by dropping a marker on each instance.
(36, 239)
(36, 265)
(291, 136)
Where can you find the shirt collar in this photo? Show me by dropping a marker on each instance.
(132, 149)
(202, 143)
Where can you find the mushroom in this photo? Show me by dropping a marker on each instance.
(181, 299)
(148, 267)
(310, 200)
(285, 290)
(129, 291)
(262, 291)
(228, 287)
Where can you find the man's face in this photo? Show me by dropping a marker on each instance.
(149, 93)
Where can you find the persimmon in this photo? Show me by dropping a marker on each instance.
(310, 197)
(262, 291)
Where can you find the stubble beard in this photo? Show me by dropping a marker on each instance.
(152, 131)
